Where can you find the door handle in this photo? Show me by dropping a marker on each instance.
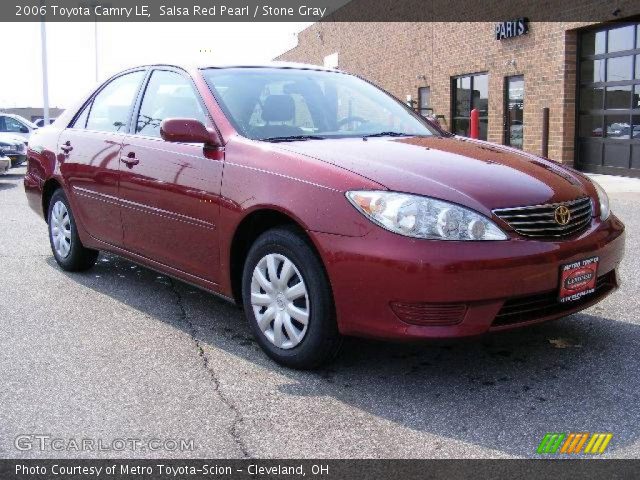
(66, 147)
(130, 160)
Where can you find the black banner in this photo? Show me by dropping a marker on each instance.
(316, 10)
(317, 469)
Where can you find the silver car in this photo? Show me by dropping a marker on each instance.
(14, 147)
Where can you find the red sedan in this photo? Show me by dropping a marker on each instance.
(321, 204)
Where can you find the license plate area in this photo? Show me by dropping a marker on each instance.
(578, 279)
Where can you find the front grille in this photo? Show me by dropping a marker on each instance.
(430, 314)
(533, 307)
(540, 220)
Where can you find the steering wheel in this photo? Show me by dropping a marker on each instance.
(352, 118)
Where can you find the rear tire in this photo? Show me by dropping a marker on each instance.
(288, 302)
(66, 246)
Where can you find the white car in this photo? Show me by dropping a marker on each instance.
(10, 123)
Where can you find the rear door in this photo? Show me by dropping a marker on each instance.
(170, 191)
(90, 156)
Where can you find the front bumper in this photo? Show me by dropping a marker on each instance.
(17, 159)
(383, 277)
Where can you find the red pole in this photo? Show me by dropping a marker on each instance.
(474, 125)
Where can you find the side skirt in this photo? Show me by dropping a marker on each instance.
(193, 280)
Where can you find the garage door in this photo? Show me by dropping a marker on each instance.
(609, 101)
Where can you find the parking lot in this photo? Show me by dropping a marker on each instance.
(122, 352)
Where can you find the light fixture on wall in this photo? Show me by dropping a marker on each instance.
(510, 63)
(320, 36)
(421, 77)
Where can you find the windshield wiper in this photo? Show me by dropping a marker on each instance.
(292, 138)
(387, 134)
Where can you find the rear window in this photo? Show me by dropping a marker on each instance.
(112, 106)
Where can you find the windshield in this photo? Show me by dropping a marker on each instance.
(271, 103)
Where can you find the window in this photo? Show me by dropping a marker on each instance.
(593, 43)
(264, 103)
(469, 92)
(592, 71)
(622, 38)
(12, 125)
(618, 97)
(168, 95)
(514, 111)
(81, 120)
(111, 107)
(424, 101)
(619, 69)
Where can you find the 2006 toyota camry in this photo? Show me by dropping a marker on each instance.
(321, 204)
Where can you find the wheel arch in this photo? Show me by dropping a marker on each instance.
(49, 187)
(248, 230)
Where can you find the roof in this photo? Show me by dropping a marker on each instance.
(275, 64)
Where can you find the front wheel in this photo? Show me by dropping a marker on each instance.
(67, 249)
(288, 302)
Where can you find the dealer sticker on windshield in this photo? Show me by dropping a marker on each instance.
(578, 279)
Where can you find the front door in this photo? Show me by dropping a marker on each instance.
(90, 153)
(514, 111)
(169, 191)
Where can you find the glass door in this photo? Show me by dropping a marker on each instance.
(424, 101)
(514, 111)
(469, 92)
(609, 100)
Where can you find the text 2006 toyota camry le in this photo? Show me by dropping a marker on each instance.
(321, 204)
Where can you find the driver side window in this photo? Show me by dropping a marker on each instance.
(111, 106)
(168, 95)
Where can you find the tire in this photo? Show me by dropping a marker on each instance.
(72, 256)
(296, 345)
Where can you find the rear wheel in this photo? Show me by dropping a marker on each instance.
(67, 249)
(288, 302)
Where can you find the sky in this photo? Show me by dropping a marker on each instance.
(71, 52)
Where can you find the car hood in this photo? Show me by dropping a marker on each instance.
(11, 138)
(478, 174)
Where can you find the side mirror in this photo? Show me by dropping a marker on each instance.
(188, 130)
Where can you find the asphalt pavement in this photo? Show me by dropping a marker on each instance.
(121, 352)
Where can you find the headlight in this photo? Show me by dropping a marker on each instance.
(603, 198)
(423, 217)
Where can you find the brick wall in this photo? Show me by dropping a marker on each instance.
(401, 57)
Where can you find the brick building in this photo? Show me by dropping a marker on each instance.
(586, 73)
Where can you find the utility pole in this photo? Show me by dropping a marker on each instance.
(93, 4)
(45, 80)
